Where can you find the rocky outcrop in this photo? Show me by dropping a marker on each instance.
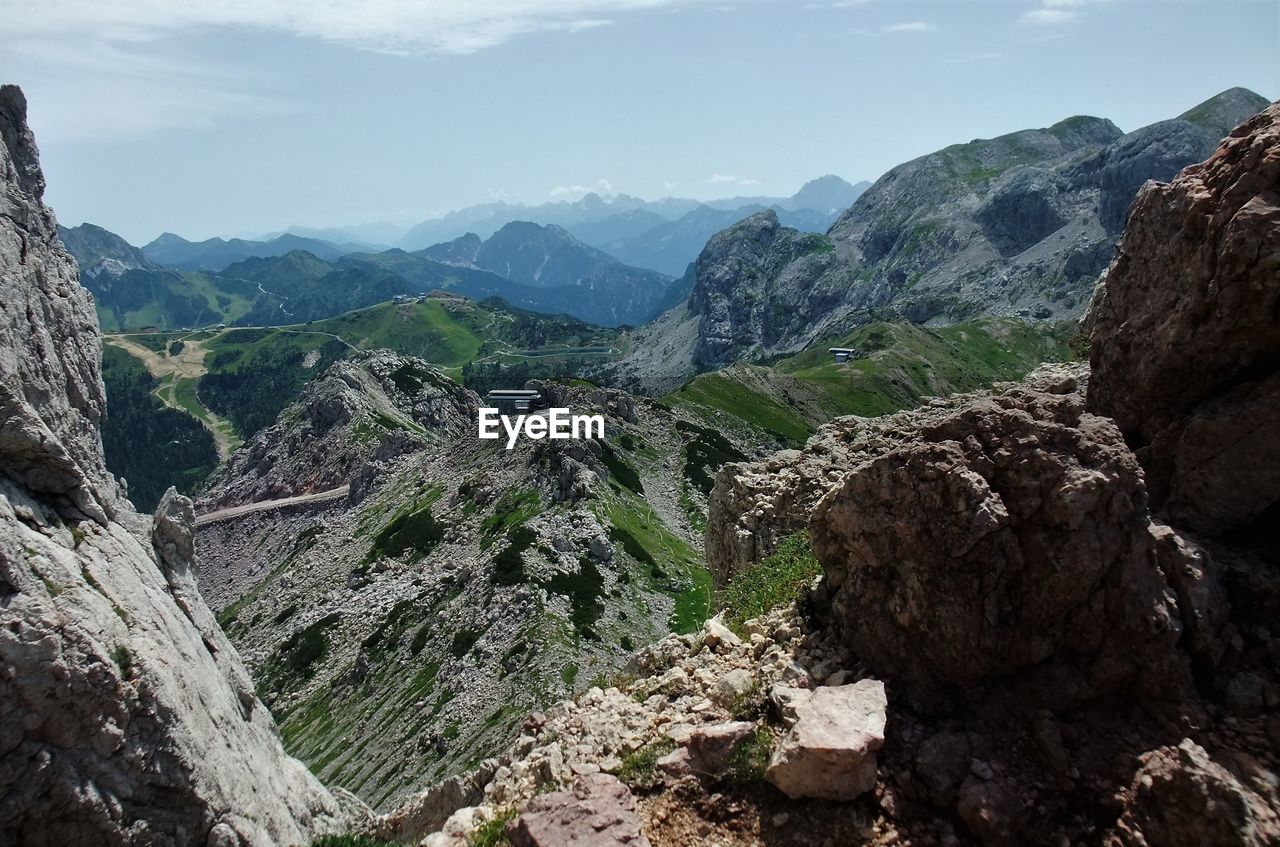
(1181, 797)
(755, 505)
(1002, 543)
(100, 252)
(1185, 334)
(743, 269)
(127, 716)
(362, 414)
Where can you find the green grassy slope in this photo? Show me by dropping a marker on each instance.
(896, 365)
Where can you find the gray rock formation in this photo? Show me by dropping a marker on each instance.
(127, 716)
(1185, 334)
(348, 425)
(100, 252)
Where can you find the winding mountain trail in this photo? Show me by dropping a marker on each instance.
(269, 505)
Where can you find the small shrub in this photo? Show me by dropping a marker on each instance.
(123, 658)
(750, 758)
(463, 641)
(492, 833)
(350, 841)
(508, 565)
(420, 639)
(705, 452)
(639, 767)
(747, 705)
(417, 533)
(620, 470)
(777, 579)
(304, 648)
(584, 590)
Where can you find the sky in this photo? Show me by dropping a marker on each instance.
(235, 117)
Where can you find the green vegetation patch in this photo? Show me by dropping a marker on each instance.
(749, 758)
(620, 470)
(513, 509)
(705, 452)
(300, 652)
(640, 767)
(777, 579)
(508, 565)
(674, 567)
(585, 590)
(721, 392)
(492, 833)
(416, 533)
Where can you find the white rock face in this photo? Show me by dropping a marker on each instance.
(125, 714)
(830, 752)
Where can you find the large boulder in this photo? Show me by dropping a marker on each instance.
(1185, 334)
(1002, 543)
(830, 751)
(1183, 798)
(598, 811)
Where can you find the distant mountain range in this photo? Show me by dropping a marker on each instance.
(600, 220)
(214, 254)
(663, 235)
(543, 269)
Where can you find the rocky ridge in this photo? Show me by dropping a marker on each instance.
(100, 252)
(455, 585)
(1016, 225)
(367, 409)
(128, 717)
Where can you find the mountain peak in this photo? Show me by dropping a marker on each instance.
(1222, 112)
(827, 193)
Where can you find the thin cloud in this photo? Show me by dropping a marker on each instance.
(1057, 12)
(390, 26)
(86, 57)
(910, 26)
(1047, 17)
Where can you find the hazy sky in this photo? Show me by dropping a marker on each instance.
(241, 116)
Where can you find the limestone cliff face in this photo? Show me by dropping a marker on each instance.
(125, 714)
(1185, 330)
